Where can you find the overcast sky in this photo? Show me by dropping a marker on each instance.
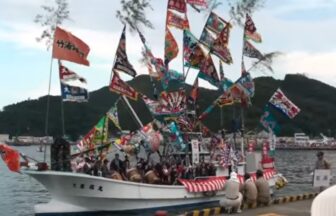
(303, 30)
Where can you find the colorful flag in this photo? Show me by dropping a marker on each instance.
(68, 47)
(268, 122)
(68, 76)
(202, 3)
(178, 5)
(74, 93)
(73, 86)
(112, 114)
(176, 131)
(177, 21)
(219, 46)
(225, 99)
(250, 31)
(251, 51)
(207, 37)
(245, 82)
(194, 92)
(172, 102)
(101, 131)
(193, 53)
(282, 103)
(223, 37)
(215, 23)
(97, 135)
(152, 105)
(171, 47)
(169, 76)
(119, 86)
(121, 61)
(208, 71)
(11, 157)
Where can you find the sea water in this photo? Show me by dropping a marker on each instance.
(19, 193)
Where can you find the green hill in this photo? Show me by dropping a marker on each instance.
(316, 100)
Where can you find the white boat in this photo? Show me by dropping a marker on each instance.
(81, 193)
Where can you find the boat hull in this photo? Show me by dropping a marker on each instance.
(74, 193)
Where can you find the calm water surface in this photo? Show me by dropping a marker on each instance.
(19, 193)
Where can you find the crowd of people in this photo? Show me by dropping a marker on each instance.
(147, 171)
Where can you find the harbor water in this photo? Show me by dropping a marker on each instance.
(19, 193)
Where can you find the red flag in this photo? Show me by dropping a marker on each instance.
(251, 31)
(119, 86)
(69, 47)
(11, 157)
(177, 21)
(219, 46)
(178, 5)
(171, 47)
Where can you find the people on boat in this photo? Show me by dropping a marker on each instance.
(233, 198)
(249, 190)
(263, 188)
(116, 164)
(105, 169)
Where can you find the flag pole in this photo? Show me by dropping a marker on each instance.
(47, 111)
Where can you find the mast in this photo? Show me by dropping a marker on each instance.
(136, 117)
(47, 111)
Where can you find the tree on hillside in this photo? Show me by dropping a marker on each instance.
(133, 13)
(53, 16)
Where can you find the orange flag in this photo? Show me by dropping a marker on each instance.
(11, 157)
(69, 47)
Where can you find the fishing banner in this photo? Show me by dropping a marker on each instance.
(112, 114)
(208, 71)
(246, 83)
(169, 76)
(250, 31)
(219, 46)
(177, 21)
(74, 93)
(215, 23)
(193, 53)
(121, 62)
(178, 5)
(172, 102)
(171, 47)
(207, 37)
(73, 86)
(68, 47)
(282, 103)
(250, 51)
(176, 131)
(268, 121)
(97, 135)
(119, 86)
